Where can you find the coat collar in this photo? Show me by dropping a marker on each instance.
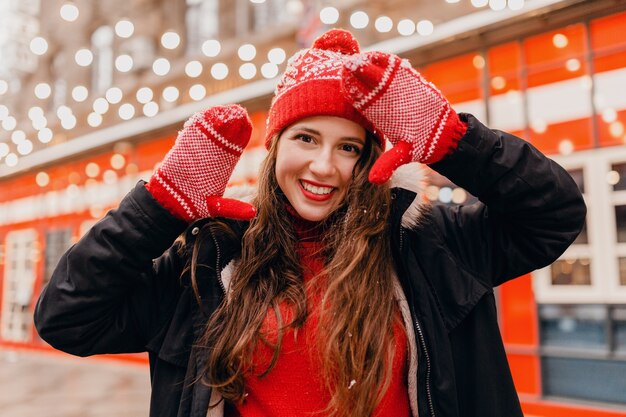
(409, 182)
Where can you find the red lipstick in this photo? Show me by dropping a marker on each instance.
(313, 196)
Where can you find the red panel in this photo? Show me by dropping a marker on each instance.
(546, 62)
(457, 78)
(504, 68)
(541, 49)
(22, 186)
(608, 32)
(148, 154)
(258, 131)
(139, 359)
(577, 131)
(612, 133)
(556, 72)
(553, 409)
(504, 83)
(526, 373)
(519, 133)
(518, 312)
(518, 324)
(504, 58)
(608, 62)
(145, 155)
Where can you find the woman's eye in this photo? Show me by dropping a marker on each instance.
(304, 138)
(351, 148)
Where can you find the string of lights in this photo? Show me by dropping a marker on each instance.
(44, 123)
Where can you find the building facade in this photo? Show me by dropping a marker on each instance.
(92, 95)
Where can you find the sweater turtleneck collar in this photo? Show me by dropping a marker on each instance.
(306, 230)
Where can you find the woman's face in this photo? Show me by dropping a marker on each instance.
(314, 163)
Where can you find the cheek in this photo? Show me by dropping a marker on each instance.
(285, 167)
(280, 176)
(345, 172)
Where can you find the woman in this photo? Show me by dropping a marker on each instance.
(336, 292)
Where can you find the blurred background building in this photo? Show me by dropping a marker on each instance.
(92, 95)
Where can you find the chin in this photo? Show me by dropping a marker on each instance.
(313, 216)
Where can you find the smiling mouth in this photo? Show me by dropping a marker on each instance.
(321, 191)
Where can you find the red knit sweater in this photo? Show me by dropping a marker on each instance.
(294, 386)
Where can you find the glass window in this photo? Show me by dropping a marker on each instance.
(268, 13)
(620, 223)
(590, 379)
(102, 66)
(622, 271)
(142, 50)
(59, 96)
(617, 177)
(571, 272)
(202, 23)
(57, 242)
(578, 176)
(60, 93)
(619, 325)
(583, 237)
(584, 351)
(573, 326)
(19, 279)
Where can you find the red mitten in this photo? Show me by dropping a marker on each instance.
(409, 111)
(192, 177)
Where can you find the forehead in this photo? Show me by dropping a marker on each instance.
(330, 125)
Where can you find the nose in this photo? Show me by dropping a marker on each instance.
(322, 163)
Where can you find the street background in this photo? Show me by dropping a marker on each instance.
(51, 384)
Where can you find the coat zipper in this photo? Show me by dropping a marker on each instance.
(218, 275)
(218, 259)
(423, 344)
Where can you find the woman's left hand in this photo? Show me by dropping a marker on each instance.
(408, 110)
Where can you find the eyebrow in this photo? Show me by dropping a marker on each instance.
(315, 132)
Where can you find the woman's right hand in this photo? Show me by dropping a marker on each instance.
(192, 177)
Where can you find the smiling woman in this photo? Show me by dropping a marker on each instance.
(332, 291)
(314, 163)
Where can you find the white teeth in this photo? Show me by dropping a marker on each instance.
(316, 190)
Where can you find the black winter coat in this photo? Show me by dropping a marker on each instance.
(119, 289)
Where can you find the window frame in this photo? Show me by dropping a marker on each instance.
(602, 248)
(20, 274)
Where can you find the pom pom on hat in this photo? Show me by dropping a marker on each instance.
(337, 40)
(311, 86)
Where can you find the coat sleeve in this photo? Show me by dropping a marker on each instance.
(112, 290)
(529, 211)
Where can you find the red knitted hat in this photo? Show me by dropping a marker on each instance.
(311, 86)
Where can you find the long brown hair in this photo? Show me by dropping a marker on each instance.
(355, 332)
